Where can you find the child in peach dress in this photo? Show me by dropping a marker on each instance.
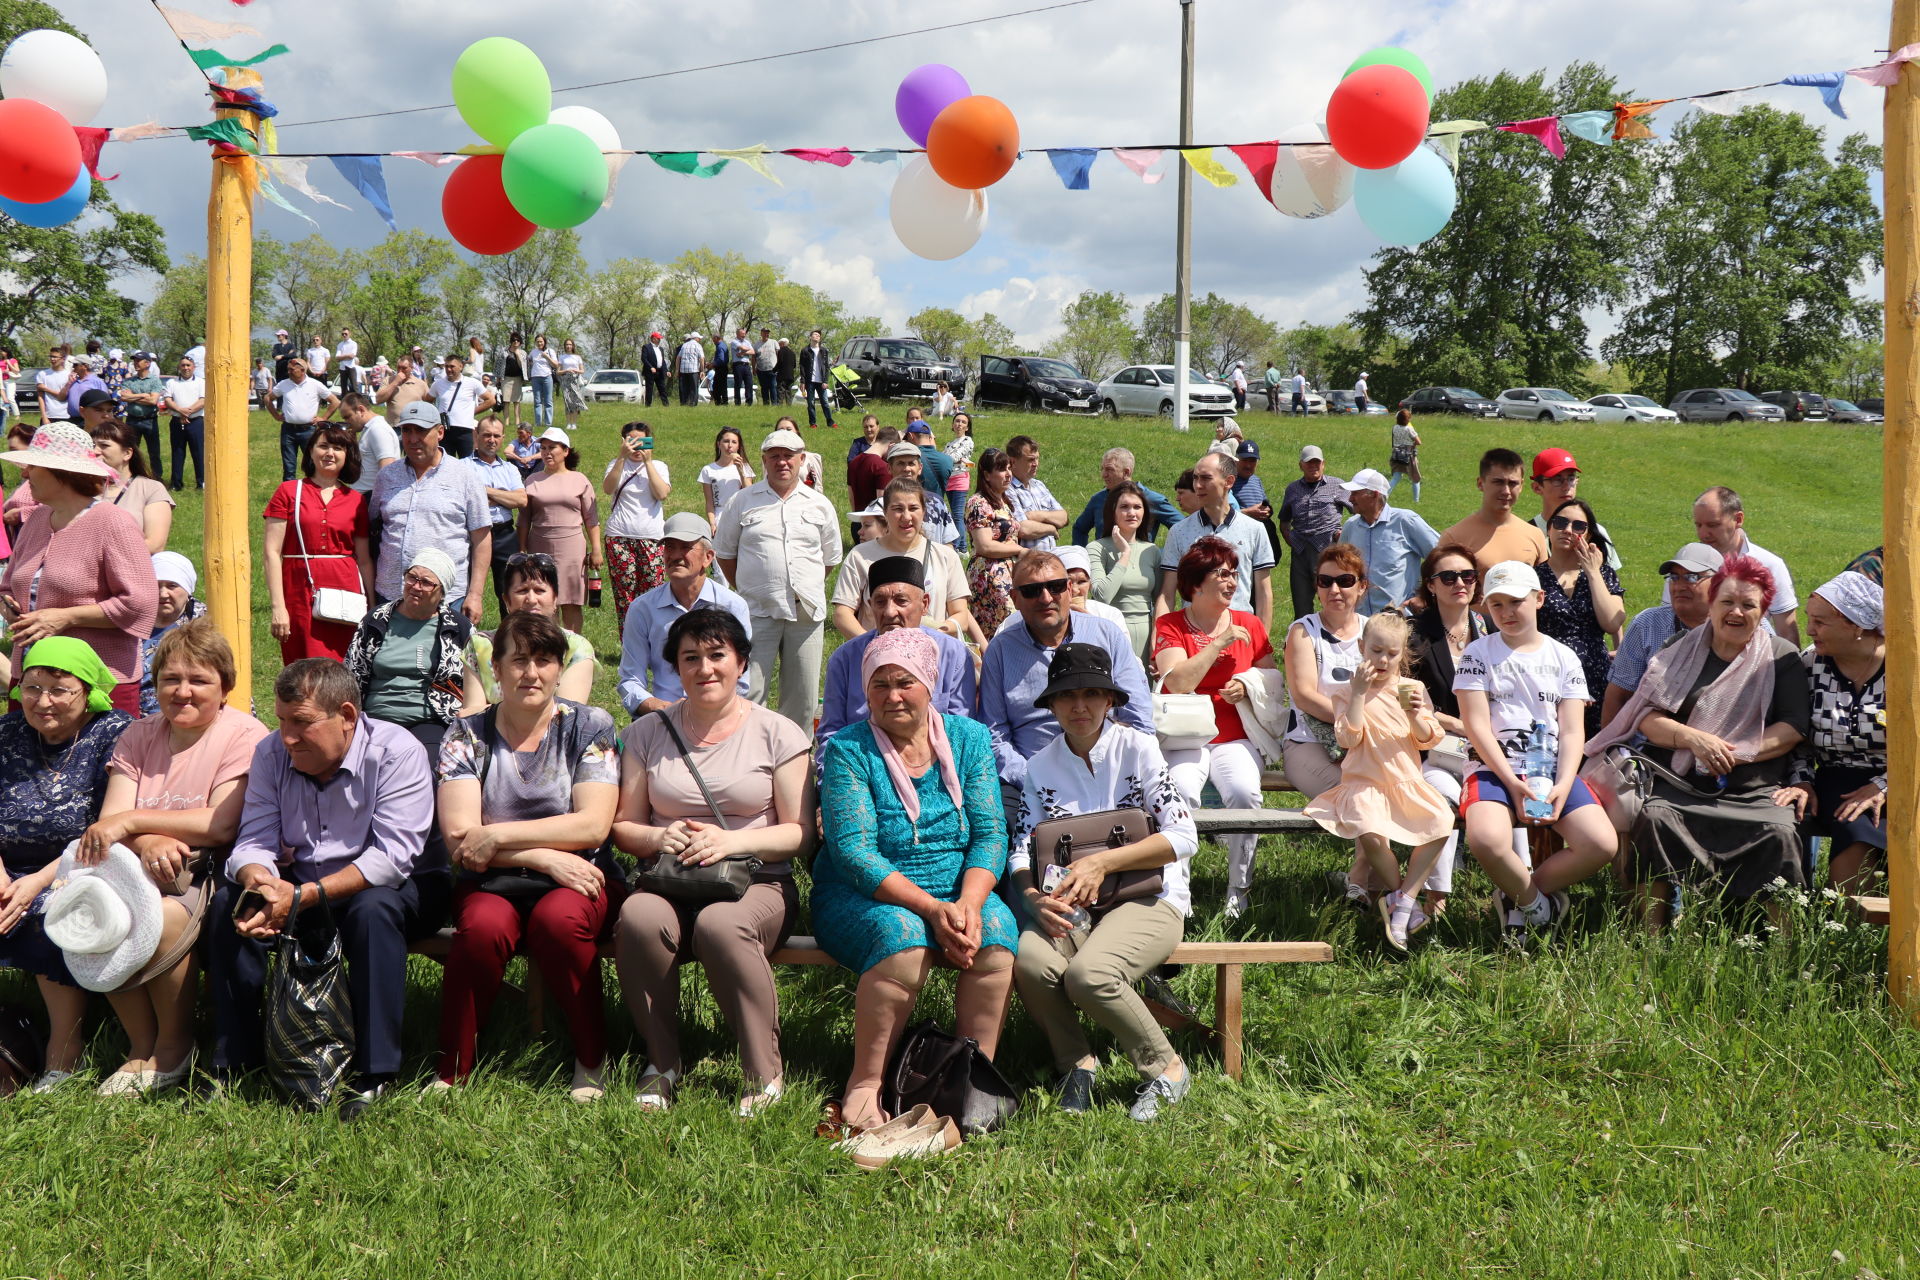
(1381, 799)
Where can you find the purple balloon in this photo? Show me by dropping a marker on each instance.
(924, 94)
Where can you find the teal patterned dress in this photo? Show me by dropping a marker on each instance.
(868, 838)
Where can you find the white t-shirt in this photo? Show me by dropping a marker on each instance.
(316, 360)
(1299, 384)
(53, 382)
(457, 399)
(347, 354)
(571, 363)
(182, 392)
(767, 357)
(946, 576)
(378, 440)
(1522, 688)
(635, 511)
(539, 365)
(726, 481)
(299, 401)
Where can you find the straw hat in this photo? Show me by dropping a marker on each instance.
(61, 446)
(106, 918)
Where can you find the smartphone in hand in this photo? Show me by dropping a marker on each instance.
(250, 902)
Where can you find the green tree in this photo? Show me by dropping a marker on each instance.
(716, 292)
(463, 306)
(1501, 296)
(1097, 333)
(1754, 242)
(396, 296)
(617, 306)
(1222, 332)
(943, 329)
(1330, 355)
(310, 288)
(987, 336)
(536, 287)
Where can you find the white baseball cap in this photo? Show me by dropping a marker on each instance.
(1369, 480)
(1514, 579)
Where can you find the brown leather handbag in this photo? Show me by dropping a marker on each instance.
(1064, 841)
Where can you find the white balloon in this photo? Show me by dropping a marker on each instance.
(56, 69)
(589, 122)
(933, 219)
(1311, 181)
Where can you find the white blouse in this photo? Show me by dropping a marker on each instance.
(1127, 771)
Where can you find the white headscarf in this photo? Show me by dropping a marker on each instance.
(1859, 599)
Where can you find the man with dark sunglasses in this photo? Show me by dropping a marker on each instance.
(1556, 478)
(1393, 540)
(1689, 578)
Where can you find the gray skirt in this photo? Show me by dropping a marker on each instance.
(1740, 842)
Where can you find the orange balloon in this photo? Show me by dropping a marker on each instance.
(973, 142)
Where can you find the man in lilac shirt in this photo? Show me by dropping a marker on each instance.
(897, 594)
(339, 800)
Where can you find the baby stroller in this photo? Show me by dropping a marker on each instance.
(845, 384)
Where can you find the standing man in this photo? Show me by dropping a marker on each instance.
(778, 543)
(648, 679)
(1250, 491)
(1215, 517)
(283, 351)
(1556, 479)
(317, 359)
(50, 385)
(186, 405)
(1272, 383)
(430, 500)
(1116, 468)
(1239, 384)
(296, 405)
(1360, 393)
(404, 388)
(691, 360)
(1720, 520)
(1493, 533)
(653, 369)
(766, 362)
(743, 358)
(1689, 578)
(346, 357)
(785, 365)
(506, 494)
(815, 371)
(1392, 541)
(722, 368)
(142, 393)
(1309, 520)
(461, 400)
(378, 444)
(1299, 405)
(1037, 516)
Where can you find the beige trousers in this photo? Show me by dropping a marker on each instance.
(1059, 978)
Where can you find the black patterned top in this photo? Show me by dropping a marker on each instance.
(1849, 724)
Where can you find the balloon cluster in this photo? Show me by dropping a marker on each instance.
(939, 202)
(49, 82)
(1376, 121)
(549, 168)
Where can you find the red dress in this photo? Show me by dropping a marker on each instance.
(328, 530)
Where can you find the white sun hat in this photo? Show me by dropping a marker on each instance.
(106, 917)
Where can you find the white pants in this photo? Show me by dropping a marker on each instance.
(796, 646)
(1234, 770)
(1441, 881)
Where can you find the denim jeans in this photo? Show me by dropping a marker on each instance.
(819, 389)
(293, 438)
(543, 402)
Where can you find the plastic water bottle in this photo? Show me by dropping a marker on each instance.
(1049, 881)
(1537, 767)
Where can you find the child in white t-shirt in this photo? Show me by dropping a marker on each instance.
(1523, 694)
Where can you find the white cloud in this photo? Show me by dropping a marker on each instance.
(1031, 308)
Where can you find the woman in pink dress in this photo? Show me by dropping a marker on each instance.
(326, 547)
(562, 520)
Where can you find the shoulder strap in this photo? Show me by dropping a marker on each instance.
(489, 735)
(306, 561)
(686, 758)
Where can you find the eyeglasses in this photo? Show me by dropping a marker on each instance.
(1687, 577)
(1341, 580)
(424, 581)
(1034, 590)
(39, 692)
(1563, 522)
(1558, 477)
(538, 559)
(1456, 577)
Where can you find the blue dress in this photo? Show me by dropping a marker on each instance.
(869, 838)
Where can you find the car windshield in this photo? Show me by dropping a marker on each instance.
(1051, 369)
(616, 376)
(1734, 393)
(1194, 377)
(1464, 394)
(1639, 402)
(918, 351)
(1844, 406)
(1555, 393)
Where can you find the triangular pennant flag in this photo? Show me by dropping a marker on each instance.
(1201, 158)
(435, 158)
(246, 99)
(1887, 74)
(1593, 126)
(839, 157)
(1448, 147)
(754, 157)
(1828, 83)
(1458, 126)
(1140, 160)
(1626, 118)
(272, 193)
(194, 29)
(150, 129)
(291, 171)
(482, 149)
(1546, 129)
(881, 157)
(1259, 157)
(1073, 164)
(1721, 104)
(208, 59)
(687, 162)
(365, 174)
(225, 130)
(91, 140)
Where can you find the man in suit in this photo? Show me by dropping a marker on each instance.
(653, 368)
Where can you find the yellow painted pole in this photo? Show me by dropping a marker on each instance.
(1902, 517)
(227, 554)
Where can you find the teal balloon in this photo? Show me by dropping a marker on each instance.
(555, 175)
(1409, 203)
(1394, 57)
(53, 213)
(501, 89)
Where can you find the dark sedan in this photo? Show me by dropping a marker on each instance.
(1847, 411)
(1432, 400)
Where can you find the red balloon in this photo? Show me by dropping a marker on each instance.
(973, 142)
(1377, 116)
(477, 211)
(39, 152)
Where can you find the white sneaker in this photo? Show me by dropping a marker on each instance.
(1539, 913)
(1394, 908)
(1156, 1093)
(1236, 903)
(51, 1080)
(656, 1090)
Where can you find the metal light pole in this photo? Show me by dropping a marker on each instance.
(1183, 234)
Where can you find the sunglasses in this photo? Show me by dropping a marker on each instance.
(1688, 578)
(1341, 580)
(1562, 522)
(1456, 577)
(1034, 590)
(538, 559)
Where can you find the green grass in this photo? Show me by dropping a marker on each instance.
(1701, 1105)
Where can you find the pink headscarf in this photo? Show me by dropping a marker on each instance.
(913, 651)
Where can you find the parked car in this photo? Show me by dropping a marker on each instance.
(1543, 404)
(1431, 400)
(1873, 404)
(622, 386)
(1037, 383)
(1148, 389)
(1724, 404)
(903, 368)
(1847, 411)
(1344, 402)
(1614, 407)
(1800, 406)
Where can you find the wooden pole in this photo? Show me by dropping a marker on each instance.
(1902, 517)
(226, 552)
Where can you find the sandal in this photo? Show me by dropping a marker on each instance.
(656, 1090)
(833, 1123)
(751, 1103)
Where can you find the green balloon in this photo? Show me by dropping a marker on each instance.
(501, 89)
(554, 175)
(1395, 58)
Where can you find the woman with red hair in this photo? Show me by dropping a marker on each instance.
(1722, 708)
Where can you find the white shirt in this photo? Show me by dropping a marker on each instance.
(1239, 378)
(299, 401)
(1360, 387)
(1299, 383)
(767, 356)
(635, 511)
(1124, 769)
(692, 356)
(378, 441)
(457, 399)
(1522, 688)
(347, 354)
(742, 351)
(570, 363)
(182, 392)
(316, 360)
(785, 548)
(726, 481)
(52, 381)
(539, 363)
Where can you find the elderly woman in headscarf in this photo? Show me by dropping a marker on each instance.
(1839, 775)
(1722, 708)
(915, 841)
(407, 654)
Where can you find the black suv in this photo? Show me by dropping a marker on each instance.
(1036, 383)
(1431, 400)
(905, 368)
(1799, 406)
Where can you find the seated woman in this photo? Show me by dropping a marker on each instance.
(1722, 706)
(532, 586)
(175, 785)
(754, 761)
(1839, 787)
(406, 654)
(526, 800)
(1064, 967)
(53, 777)
(915, 840)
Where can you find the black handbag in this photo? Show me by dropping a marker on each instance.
(724, 881)
(23, 1050)
(521, 887)
(1064, 841)
(309, 1015)
(950, 1075)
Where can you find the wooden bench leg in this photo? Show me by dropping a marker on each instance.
(1226, 1016)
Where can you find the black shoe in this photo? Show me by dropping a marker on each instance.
(356, 1103)
(1074, 1093)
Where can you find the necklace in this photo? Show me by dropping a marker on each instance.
(65, 752)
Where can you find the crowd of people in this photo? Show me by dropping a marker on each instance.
(1002, 666)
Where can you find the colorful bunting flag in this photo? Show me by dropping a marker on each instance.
(838, 157)
(1460, 126)
(1626, 118)
(1260, 158)
(1887, 74)
(437, 159)
(687, 162)
(754, 157)
(291, 171)
(1719, 104)
(208, 59)
(1140, 160)
(616, 161)
(134, 132)
(194, 29)
(1545, 128)
(91, 140)
(365, 174)
(1073, 164)
(1593, 126)
(272, 193)
(226, 130)
(1203, 163)
(1828, 83)
(881, 156)
(1448, 147)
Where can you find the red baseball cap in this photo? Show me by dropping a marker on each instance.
(654, 336)
(1551, 462)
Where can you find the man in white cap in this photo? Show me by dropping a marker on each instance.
(648, 678)
(1394, 541)
(1239, 385)
(1689, 577)
(690, 362)
(1360, 392)
(1309, 520)
(177, 580)
(778, 542)
(430, 500)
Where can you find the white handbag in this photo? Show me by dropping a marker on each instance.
(1449, 755)
(330, 604)
(1182, 721)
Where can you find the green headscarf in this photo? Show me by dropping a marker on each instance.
(77, 659)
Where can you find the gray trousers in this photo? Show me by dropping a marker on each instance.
(797, 648)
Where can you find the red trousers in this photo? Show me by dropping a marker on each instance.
(561, 932)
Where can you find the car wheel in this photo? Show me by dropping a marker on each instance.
(1546, 415)
(1166, 408)
(1034, 405)
(1736, 417)
(1109, 409)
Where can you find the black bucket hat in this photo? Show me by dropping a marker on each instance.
(1080, 666)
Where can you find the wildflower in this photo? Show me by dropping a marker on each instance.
(1746, 940)
(1835, 926)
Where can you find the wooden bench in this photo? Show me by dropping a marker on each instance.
(1265, 822)
(1229, 960)
(1870, 910)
